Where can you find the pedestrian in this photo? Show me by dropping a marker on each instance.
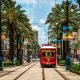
(58, 58)
(68, 62)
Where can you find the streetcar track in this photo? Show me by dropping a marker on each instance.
(43, 75)
(13, 70)
(62, 75)
(24, 72)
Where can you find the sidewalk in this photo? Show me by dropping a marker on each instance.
(67, 74)
(7, 70)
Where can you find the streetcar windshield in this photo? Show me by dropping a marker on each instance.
(46, 54)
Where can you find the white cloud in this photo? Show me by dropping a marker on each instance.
(35, 27)
(42, 21)
(27, 1)
(42, 37)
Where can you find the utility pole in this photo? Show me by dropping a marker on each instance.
(67, 17)
(78, 1)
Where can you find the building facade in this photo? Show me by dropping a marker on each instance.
(35, 32)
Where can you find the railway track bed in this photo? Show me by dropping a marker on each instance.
(35, 72)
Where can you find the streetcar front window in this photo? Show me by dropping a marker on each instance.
(47, 54)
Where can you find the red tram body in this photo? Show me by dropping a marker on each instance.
(48, 55)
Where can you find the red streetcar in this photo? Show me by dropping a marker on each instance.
(48, 56)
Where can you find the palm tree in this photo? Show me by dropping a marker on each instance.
(14, 19)
(58, 15)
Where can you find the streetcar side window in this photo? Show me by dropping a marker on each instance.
(43, 54)
(52, 54)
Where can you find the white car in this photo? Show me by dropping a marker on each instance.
(75, 61)
(35, 59)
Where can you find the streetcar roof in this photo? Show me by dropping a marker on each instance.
(50, 47)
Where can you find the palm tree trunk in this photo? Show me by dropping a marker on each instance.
(64, 50)
(11, 36)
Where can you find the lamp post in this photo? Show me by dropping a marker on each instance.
(65, 28)
(67, 43)
(78, 1)
(67, 21)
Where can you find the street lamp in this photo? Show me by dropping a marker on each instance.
(67, 43)
(67, 25)
(78, 1)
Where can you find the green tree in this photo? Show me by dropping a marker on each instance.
(58, 15)
(15, 20)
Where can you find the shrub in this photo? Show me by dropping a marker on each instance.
(62, 62)
(10, 63)
(75, 68)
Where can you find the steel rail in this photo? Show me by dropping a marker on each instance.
(13, 70)
(62, 75)
(43, 75)
(24, 72)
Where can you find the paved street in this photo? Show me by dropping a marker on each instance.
(13, 75)
(67, 74)
(33, 71)
(51, 74)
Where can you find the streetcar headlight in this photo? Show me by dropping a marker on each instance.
(48, 60)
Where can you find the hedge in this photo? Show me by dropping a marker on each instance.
(62, 62)
(10, 63)
(75, 68)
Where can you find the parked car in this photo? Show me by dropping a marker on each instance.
(75, 61)
(35, 59)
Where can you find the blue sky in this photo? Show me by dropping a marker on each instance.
(37, 11)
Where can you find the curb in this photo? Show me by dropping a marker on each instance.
(13, 70)
(66, 78)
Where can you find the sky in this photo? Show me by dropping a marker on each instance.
(37, 11)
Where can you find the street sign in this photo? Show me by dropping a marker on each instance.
(67, 33)
(57, 41)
